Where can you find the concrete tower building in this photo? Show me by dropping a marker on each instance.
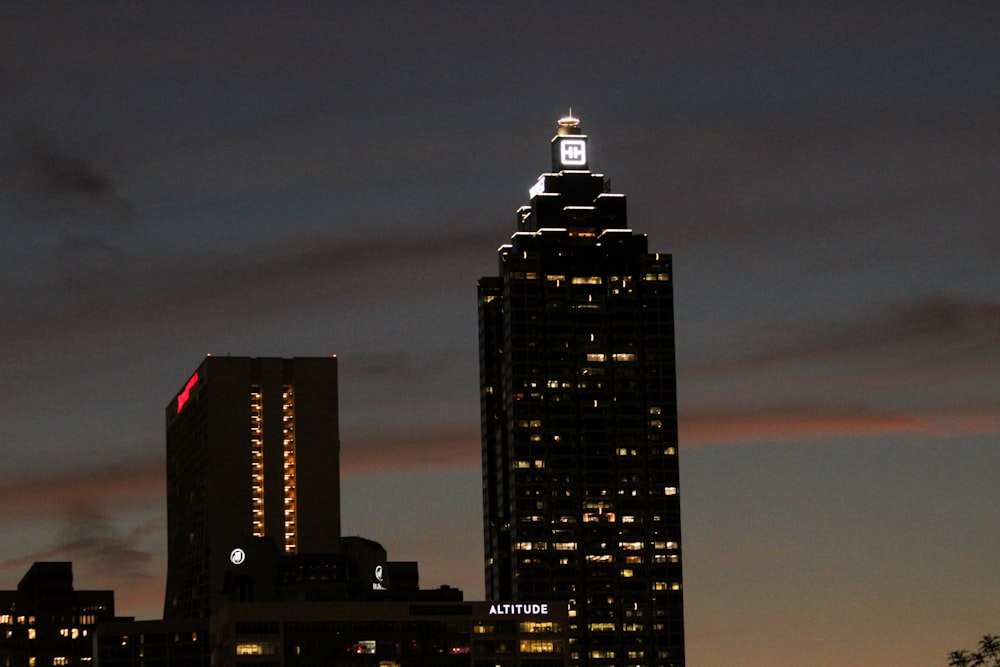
(252, 452)
(579, 419)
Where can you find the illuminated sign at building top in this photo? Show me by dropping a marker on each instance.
(183, 397)
(237, 556)
(510, 609)
(573, 152)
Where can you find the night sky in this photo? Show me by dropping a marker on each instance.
(182, 178)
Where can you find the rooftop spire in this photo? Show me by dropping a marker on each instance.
(569, 120)
(569, 124)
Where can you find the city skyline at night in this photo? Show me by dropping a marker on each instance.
(184, 179)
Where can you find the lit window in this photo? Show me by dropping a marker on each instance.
(364, 647)
(538, 626)
(601, 627)
(587, 280)
(258, 648)
(538, 646)
(623, 356)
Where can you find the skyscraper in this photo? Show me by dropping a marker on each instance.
(579, 419)
(253, 451)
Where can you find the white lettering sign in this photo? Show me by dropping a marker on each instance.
(509, 609)
(573, 152)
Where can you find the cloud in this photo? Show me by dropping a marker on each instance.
(74, 493)
(91, 513)
(414, 448)
(176, 288)
(107, 555)
(808, 423)
(66, 191)
(929, 332)
(920, 366)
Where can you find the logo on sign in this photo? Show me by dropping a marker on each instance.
(183, 397)
(573, 152)
(237, 556)
(377, 585)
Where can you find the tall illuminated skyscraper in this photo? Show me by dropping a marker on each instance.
(579, 419)
(253, 451)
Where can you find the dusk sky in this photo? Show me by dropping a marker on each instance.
(263, 179)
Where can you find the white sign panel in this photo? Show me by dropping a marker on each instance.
(573, 152)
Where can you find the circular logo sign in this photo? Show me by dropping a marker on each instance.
(237, 556)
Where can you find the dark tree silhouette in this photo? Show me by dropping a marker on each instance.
(988, 654)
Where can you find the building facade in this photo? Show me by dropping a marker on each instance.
(581, 485)
(253, 452)
(426, 633)
(46, 622)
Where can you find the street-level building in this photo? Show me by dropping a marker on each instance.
(47, 622)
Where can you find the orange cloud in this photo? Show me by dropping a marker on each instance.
(804, 424)
(114, 485)
(456, 447)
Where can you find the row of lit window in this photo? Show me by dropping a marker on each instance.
(288, 447)
(178, 637)
(617, 356)
(69, 633)
(8, 619)
(528, 627)
(256, 462)
(572, 546)
(585, 280)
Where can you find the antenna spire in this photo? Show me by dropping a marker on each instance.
(569, 120)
